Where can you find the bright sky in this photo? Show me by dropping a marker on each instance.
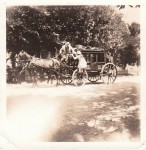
(130, 14)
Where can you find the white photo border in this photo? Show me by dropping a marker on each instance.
(72, 145)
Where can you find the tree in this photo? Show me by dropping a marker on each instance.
(130, 54)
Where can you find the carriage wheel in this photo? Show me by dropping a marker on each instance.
(93, 76)
(79, 78)
(109, 73)
(66, 76)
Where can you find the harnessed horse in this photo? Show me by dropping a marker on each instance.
(49, 66)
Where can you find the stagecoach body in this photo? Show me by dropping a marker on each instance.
(99, 67)
(95, 59)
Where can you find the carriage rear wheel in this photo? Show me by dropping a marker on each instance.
(79, 78)
(66, 75)
(108, 73)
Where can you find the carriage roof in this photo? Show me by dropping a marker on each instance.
(96, 55)
(96, 50)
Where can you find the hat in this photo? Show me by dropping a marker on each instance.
(67, 43)
(78, 52)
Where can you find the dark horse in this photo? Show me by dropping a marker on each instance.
(49, 66)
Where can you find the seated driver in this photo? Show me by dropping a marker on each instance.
(65, 51)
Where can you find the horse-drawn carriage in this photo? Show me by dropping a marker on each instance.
(98, 68)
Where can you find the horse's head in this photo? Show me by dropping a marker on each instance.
(9, 63)
(8, 56)
(24, 56)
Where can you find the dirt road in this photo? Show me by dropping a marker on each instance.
(93, 112)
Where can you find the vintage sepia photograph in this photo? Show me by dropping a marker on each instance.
(73, 73)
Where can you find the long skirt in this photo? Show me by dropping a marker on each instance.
(82, 63)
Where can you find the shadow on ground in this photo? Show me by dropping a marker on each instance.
(110, 117)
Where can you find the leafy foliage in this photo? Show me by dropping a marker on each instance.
(131, 54)
(42, 29)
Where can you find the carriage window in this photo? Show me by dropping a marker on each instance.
(100, 57)
(86, 57)
(92, 58)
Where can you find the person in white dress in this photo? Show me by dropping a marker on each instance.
(82, 64)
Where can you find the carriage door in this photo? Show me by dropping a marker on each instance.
(93, 61)
(101, 59)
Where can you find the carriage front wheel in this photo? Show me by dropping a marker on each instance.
(108, 73)
(79, 78)
(66, 75)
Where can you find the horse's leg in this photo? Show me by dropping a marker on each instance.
(57, 79)
(34, 77)
(34, 80)
(17, 74)
(31, 75)
(52, 78)
(49, 77)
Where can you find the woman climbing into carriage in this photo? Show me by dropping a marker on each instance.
(82, 64)
(80, 75)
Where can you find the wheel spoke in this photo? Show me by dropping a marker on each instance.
(93, 76)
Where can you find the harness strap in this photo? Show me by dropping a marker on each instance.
(23, 69)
